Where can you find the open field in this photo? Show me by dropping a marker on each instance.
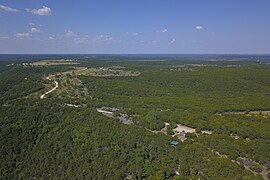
(99, 72)
(71, 86)
(53, 62)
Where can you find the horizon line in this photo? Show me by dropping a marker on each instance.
(257, 54)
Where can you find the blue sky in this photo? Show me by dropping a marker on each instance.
(141, 26)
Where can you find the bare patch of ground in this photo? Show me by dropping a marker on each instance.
(53, 62)
(183, 129)
(180, 136)
(105, 112)
(100, 72)
(74, 105)
(234, 136)
(207, 132)
(110, 112)
(124, 118)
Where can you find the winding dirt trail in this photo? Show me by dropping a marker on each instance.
(56, 86)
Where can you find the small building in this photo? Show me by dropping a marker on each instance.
(174, 143)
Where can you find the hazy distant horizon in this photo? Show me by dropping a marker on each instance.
(203, 57)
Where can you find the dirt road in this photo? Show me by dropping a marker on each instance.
(56, 86)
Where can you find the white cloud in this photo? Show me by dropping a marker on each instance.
(104, 38)
(3, 37)
(172, 41)
(34, 30)
(81, 40)
(132, 34)
(163, 30)
(37, 39)
(8, 9)
(51, 38)
(70, 34)
(22, 35)
(31, 24)
(44, 11)
(199, 27)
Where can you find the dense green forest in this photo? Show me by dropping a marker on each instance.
(47, 138)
